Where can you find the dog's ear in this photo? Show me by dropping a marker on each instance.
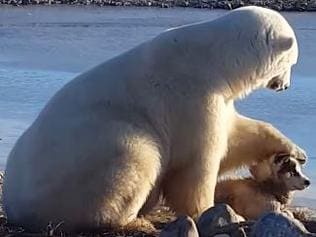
(261, 171)
(253, 170)
(281, 158)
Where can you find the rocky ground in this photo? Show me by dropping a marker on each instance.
(280, 5)
(218, 221)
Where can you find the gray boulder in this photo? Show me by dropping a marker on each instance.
(279, 225)
(220, 219)
(182, 227)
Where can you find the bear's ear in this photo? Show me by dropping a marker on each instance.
(282, 44)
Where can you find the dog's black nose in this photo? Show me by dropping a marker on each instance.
(307, 182)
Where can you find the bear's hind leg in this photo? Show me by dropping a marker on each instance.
(130, 175)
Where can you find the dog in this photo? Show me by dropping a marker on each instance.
(269, 188)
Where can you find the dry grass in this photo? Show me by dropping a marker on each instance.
(158, 217)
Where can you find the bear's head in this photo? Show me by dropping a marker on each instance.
(273, 43)
(247, 49)
(257, 50)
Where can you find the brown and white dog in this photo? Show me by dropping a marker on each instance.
(270, 187)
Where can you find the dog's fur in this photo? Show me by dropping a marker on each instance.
(270, 187)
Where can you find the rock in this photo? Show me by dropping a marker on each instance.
(278, 224)
(182, 227)
(310, 226)
(217, 217)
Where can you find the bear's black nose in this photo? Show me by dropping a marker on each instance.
(307, 182)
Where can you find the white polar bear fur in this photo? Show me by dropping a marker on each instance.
(157, 119)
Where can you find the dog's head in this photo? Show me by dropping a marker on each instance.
(282, 169)
(288, 170)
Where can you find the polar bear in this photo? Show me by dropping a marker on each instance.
(158, 119)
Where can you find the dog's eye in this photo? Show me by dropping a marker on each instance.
(294, 173)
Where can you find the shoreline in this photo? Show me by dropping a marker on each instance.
(285, 5)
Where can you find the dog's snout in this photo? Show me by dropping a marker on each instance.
(307, 182)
